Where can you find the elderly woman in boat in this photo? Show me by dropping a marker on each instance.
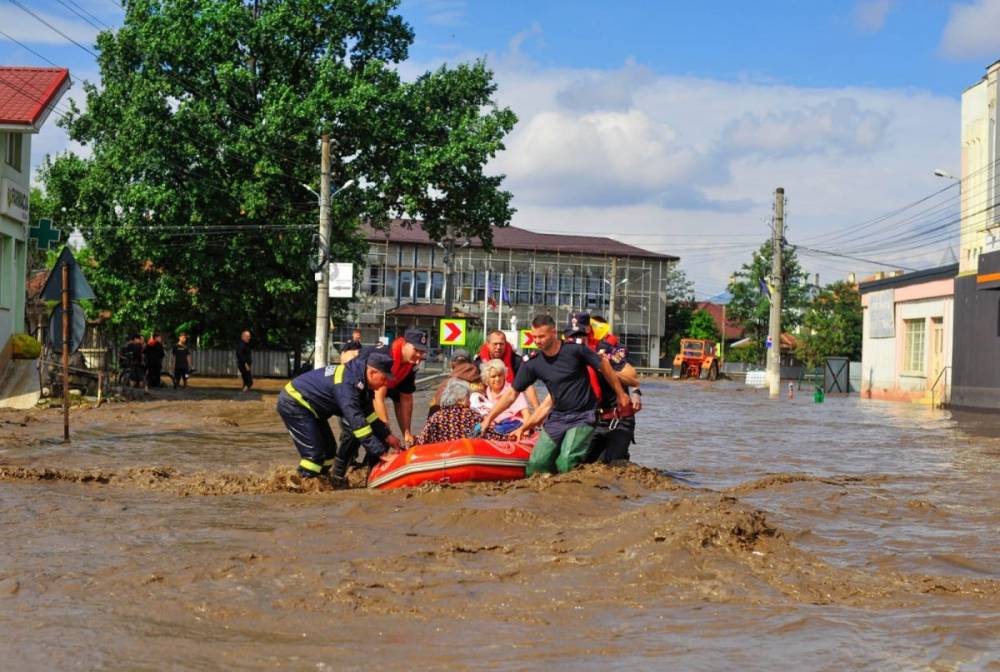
(454, 420)
(494, 374)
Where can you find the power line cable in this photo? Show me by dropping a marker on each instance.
(18, 4)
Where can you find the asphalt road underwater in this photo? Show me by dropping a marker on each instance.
(173, 534)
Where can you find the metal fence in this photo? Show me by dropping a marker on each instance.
(221, 363)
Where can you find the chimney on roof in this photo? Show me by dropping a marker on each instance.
(879, 275)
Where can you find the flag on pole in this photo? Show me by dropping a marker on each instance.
(490, 301)
(765, 288)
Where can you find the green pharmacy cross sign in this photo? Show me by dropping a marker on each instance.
(45, 235)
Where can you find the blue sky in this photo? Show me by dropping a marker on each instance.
(669, 124)
(814, 43)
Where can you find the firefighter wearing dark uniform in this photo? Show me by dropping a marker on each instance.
(308, 401)
(412, 345)
(615, 429)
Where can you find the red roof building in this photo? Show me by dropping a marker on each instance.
(28, 96)
(732, 332)
(405, 231)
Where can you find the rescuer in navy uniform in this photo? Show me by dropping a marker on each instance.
(346, 390)
(406, 353)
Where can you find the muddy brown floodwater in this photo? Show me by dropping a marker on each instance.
(172, 534)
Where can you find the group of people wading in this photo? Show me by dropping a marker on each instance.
(588, 415)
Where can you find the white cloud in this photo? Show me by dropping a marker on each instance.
(839, 125)
(870, 15)
(973, 30)
(443, 12)
(28, 29)
(659, 160)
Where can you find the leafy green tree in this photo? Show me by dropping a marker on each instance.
(677, 311)
(703, 326)
(750, 306)
(832, 325)
(205, 127)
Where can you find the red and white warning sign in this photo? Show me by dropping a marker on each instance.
(527, 341)
(452, 331)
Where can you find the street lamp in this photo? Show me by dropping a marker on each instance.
(941, 172)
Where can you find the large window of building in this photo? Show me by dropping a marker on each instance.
(406, 285)
(480, 294)
(376, 280)
(424, 256)
(467, 286)
(522, 288)
(437, 286)
(390, 283)
(420, 293)
(913, 354)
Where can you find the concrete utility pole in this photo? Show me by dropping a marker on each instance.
(321, 356)
(774, 322)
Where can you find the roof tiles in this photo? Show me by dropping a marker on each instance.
(513, 238)
(27, 95)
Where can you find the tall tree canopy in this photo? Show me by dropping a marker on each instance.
(750, 306)
(832, 325)
(205, 127)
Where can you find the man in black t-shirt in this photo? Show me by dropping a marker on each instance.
(182, 361)
(566, 435)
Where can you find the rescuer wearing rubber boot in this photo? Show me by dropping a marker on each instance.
(615, 429)
(347, 390)
(566, 434)
(614, 432)
(406, 353)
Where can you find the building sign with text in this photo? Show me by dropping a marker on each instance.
(14, 201)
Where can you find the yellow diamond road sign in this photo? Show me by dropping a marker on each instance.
(452, 331)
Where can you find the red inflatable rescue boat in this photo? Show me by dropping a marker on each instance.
(453, 462)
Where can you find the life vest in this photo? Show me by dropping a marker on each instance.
(400, 369)
(508, 358)
(595, 384)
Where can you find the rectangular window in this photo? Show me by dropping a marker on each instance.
(408, 256)
(6, 271)
(437, 286)
(14, 150)
(913, 355)
(421, 286)
(480, 286)
(406, 285)
(375, 282)
(390, 283)
(424, 256)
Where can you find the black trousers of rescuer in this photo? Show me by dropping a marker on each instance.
(311, 436)
(611, 445)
